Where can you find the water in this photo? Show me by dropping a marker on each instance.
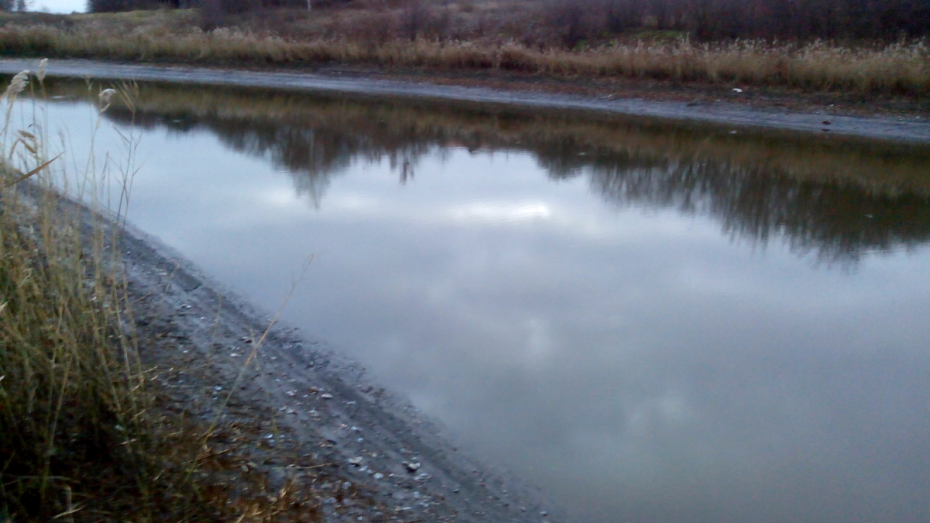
(651, 323)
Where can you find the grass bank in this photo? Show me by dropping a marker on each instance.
(361, 34)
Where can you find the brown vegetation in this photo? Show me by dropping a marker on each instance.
(462, 37)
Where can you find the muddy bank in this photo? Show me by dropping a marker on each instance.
(722, 112)
(300, 412)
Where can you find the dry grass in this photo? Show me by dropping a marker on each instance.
(78, 440)
(72, 390)
(377, 38)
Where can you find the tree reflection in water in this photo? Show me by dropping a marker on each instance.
(836, 199)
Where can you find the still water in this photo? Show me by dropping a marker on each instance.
(651, 323)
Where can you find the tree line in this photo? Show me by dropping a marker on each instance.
(701, 19)
(786, 19)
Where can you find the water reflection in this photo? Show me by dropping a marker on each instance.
(831, 199)
(627, 357)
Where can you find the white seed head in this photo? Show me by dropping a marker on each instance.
(17, 84)
(43, 66)
(106, 95)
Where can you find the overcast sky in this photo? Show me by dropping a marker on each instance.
(58, 6)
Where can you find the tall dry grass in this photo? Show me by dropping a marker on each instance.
(72, 391)
(891, 69)
(79, 440)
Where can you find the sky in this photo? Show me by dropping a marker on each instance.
(58, 6)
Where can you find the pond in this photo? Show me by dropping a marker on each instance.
(650, 322)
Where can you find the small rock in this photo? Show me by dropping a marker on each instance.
(737, 90)
(412, 467)
(326, 396)
(356, 461)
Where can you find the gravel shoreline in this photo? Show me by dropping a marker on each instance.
(300, 411)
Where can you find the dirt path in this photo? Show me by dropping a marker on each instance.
(733, 111)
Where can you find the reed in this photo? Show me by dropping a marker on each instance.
(72, 392)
